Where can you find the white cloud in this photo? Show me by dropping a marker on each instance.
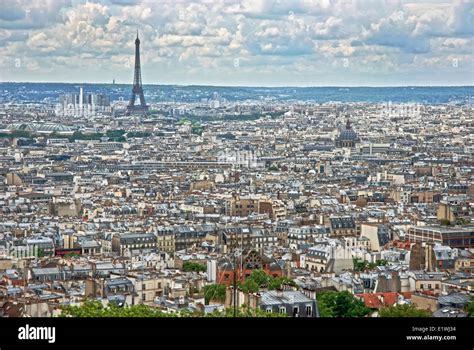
(268, 36)
(27, 14)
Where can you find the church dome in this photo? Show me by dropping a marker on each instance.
(347, 136)
(347, 133)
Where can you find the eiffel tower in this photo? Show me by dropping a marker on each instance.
(137, 89)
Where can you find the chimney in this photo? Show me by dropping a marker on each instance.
(429, 257)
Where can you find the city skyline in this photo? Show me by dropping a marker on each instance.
(236, 159)
(265, 43)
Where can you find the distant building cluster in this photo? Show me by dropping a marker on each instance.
(82, 104)
(155, 208)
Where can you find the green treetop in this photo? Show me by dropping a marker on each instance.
(405, 310)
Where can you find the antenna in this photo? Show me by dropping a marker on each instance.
(143, 269)
(241, 253)
(235, 284)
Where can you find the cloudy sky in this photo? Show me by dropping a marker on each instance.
(248, 42)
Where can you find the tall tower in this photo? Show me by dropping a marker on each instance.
(137, 88)
(81, 99)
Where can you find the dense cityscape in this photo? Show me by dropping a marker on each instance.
(136, 200)
(281, 201)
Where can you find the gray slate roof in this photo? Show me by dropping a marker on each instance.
(283, 297)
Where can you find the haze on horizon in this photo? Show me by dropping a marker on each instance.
(334, 43)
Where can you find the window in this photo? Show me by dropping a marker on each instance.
(269, 310)
(295, 311)
(429, 286)
(282, 309)
(309, 311)
(436, 286)
(421, 286)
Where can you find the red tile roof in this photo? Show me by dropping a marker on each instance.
(380, 300)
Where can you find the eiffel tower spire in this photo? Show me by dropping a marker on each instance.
(137, 89)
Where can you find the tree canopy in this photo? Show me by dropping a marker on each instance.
(245, 312)
(214, 292)
(197, 128)
(116, 135)
(362, 265)
(405, 310)
(94, 308)
(71, 255)
(470, 307)
(192, 266)
(259, 279)
(341, 304)
(138, 134)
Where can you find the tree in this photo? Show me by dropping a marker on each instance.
(70, 255)
(191, 266)
(462, 221)
(249, 286)
(470, 307)
(444, 222)
(227, 136)
(359, 265)
(362, 265)
(40, 253)
(405, 310)
(278, 282)
(214, 292)
(77, 135)
(94, 308)
(273, 168)
(197, 128)
(20, 133)
(260, 277)
(116, 135)
(341, 304)
(244, 312)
